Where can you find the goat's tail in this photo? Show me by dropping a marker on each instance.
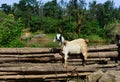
(87, 41)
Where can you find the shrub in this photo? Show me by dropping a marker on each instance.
(10, 30)
(16, 43)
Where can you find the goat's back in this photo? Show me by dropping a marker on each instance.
(77, 41)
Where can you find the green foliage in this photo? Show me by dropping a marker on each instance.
(71, 19)
(16, 43)
(67, 25)
(6, 8)
(35, 23)
(25, 10)
(71, 36)
(52, 9)
(49, 25)
(90, 27)
(95, 38)
(51, 45)
(9, 30)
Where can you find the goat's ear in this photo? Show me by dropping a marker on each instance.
(87, 41)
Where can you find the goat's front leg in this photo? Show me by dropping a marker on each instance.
(65, 59)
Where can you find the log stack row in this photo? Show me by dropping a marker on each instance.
(43, 64)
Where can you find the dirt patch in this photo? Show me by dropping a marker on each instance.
(39, 40)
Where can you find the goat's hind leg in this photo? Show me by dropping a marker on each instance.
(83, 62)
(84, 59)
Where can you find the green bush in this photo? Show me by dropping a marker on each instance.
(16, 43)
(10, 30)
(50, 25)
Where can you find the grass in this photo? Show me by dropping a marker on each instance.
(47, 41)
(51, 43)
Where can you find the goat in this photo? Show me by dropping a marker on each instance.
(59, 38)
(76, 46)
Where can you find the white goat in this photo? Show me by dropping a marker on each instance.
(77, 46)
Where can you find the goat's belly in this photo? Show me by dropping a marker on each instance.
(74, 50)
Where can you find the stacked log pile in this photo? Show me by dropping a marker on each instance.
(46, 63)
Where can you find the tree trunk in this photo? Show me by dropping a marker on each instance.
(78, 17)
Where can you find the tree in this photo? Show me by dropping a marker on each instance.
(109, 15)
(92, 10)
(75, 8)
(25, 9)
(6, 8)
(52, 9)
(116, 14)
(10, 30)
(104, 13)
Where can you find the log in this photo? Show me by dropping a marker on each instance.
(26, 55)
(58, 68)
(30, 58)
(58, 56)
(50, 76)
(103, 54)
(54, 57)
(8, 73)
(21, 64)
(67, 74)
(89, 59)
(27, 58)
(110, 47)
(52, 50)
(42, 70)
(24, 50)
(40, 60)
(50, 60)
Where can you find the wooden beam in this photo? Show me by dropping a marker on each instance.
(24, 50)
(103, 54)
(26, 55)
(54, 57)
(49, 76)
(110, 47)
(89, 59)
(52, 50)
(58, 68)
(8, 73)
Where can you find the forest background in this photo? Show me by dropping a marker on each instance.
(98, 22)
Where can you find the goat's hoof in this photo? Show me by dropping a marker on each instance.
(65, 66)
(83, 64)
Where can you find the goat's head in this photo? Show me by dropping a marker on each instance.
(59, 38)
